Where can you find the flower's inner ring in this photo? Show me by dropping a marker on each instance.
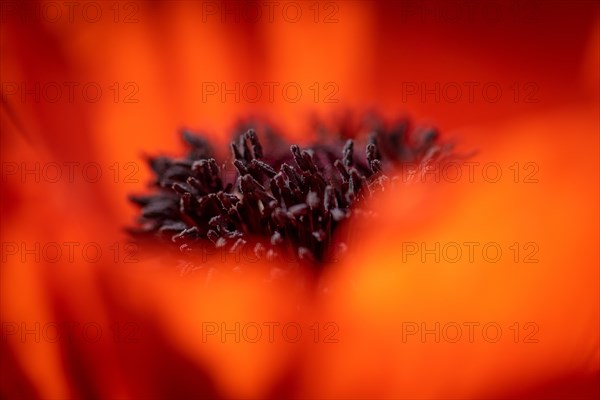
(282, 201)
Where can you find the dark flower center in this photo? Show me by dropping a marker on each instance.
(277, 202)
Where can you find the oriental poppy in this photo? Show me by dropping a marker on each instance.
(476, 278)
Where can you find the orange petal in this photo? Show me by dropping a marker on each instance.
(405, 314)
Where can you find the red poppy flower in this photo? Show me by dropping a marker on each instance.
(477, 279)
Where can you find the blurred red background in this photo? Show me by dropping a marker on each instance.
(104, 83)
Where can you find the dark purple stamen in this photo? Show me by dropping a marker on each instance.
(280, 200)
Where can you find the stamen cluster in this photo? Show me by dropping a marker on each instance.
(277, 201)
